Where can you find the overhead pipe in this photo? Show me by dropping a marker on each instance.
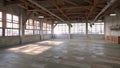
(104, 9)
(43, 8)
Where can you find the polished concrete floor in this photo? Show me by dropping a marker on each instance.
(61, 53)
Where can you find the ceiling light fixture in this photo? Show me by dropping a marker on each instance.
(99, 20)
(113, 14)
(40, 16)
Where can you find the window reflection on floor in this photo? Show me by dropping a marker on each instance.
(37, 48)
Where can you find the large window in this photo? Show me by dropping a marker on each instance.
(0, 23)
(32, 27)
(36, 27)
(44, 28)
(97, 28)
(12, 25)
(61, 29)
(48, 28)
(78, 28)
(29, 27)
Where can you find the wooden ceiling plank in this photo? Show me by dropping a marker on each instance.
(35, 8)
(92, 9)
(70, 2)
(88, 1)
(54, 3)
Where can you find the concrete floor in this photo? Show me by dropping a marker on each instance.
(62, 54)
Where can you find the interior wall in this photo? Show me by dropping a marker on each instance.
(16, 40)
(79, 36)
(9, 41)
(61, 36)
(112, 21)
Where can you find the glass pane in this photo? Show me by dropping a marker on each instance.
(15, 26)
(0, 32)
(48, 32)
(9, 25)
(0, 16)
(61, 29)
(28, 32)
(36, 31)
(78, 28)
(15, 18)
(0, 24)
(9, 16)
(97, 28)
(44, 32)
(15, 32)
(8, 32)
(30, 22)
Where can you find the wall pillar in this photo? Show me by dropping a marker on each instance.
(21, 31)
(87, 29)
(69, 32)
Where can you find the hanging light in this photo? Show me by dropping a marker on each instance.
(113, 14)
(99, 20)
(40, 16)
(55, 21)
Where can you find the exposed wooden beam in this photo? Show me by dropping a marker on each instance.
(106, 7)
(71, 7)
(35, 8)
(54, 3)
(45, 9)
(6, 3)
(92, 9)
(70, 2)
(27, 17)
(88, 1)
(111, 9)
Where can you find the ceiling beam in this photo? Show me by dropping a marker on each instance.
(35, 8)
(105, 8)
(71, 7)
(45, 9)
(70, 2)
(88, 1)
(92, 9)
(6, 3)
(54, 3)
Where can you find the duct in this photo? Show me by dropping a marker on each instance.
(104, 9)
(43, 8)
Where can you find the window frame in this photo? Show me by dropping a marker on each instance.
(12, 30)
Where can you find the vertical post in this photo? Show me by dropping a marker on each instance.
(69, 32)
(41, 29)
(21, 26)
(52, 31)
(87, 28)
(4, 22)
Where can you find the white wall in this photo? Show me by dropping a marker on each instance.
(109, 21)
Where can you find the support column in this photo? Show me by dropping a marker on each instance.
(21, 31)
(69, 32)
(41, 29)
(87, 28)
(52, 31)
(4, 23)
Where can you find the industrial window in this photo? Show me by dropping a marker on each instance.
(78, 28)
(12, 25)
(36, 27)
(0, 23)
(97, 28)
(29, 27)
(61, 29)
(44, 28)
(48, 28)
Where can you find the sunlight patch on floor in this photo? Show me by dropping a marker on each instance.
(51, 42)
(31, 49)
